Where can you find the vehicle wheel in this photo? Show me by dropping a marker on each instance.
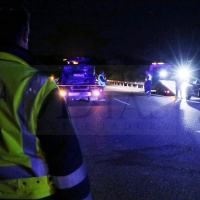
(88, 99)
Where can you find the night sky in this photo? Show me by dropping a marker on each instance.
(116, 29)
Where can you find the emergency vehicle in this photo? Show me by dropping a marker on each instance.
(162, 82)
(164, 77)
(78, 80)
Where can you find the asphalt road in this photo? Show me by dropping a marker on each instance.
(140, 148)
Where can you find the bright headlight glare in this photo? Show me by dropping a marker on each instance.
(63, 93)
(96, 92)
(163, 73)
(52, 78)
(183, 73)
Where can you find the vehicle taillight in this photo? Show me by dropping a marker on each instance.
(167, 91)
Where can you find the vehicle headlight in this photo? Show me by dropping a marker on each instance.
(163, 74)
(63, 93)
(52, 78)
(96, 92)
(183, 73)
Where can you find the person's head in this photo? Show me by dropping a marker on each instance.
(102, 72)
(147, 72)
(14, 23)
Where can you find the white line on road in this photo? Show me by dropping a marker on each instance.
(193, 101)
(198, 131)
(122, 101)
(176, 100)
(185, 100)
(132, 89)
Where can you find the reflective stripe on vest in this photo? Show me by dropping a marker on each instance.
(38, 168)
(76, 177)
(26, 188)
(100, 81)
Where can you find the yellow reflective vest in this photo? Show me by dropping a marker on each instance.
(23, 169)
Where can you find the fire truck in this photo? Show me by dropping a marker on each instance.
(78, 80)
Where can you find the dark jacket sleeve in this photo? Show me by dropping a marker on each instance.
(62, 150)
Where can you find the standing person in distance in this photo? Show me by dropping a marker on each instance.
(102, 82)
(40, 155)
(148, 83)
(178, 83)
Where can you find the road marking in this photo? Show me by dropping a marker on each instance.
(126, 88)
(176, 100)
(122, 101)
(193, 101)
(185, 100)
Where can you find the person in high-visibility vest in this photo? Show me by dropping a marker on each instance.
(40, 155)
(102, 82)
(148, 83)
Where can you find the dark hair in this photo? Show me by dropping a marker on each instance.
(14, 20)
